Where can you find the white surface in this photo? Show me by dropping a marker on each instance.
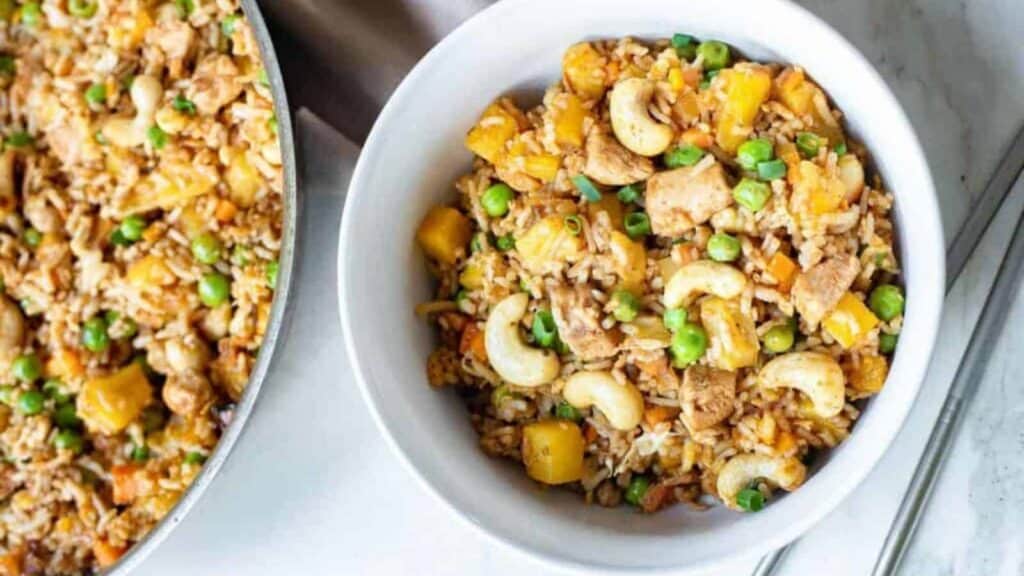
(290, 503)
(421, 129)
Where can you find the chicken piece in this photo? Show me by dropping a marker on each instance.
(817, 291)
(578, 318)
(678, 200)
(41, 215)
(187, 394)
(175, 39)
(230, 370)
(214, 84)
(708, 395)
(608, 162)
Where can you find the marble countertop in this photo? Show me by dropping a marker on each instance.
(292, 500)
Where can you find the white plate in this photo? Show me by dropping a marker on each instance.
(408, 164)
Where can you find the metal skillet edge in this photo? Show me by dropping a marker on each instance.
(276, 325)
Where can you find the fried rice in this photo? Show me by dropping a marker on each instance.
(671, 281)
(140, 225)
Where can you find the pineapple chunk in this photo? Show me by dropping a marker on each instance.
(568, 114)
(444, 233)
(629, 260)
(108, 404)
(850, 321)
(128, 31)
(243, 180)
(150, 272)
(746, 88)
(805, 98)
(543, 167)
(869, 376)
(552, 451)
(733, 337)
(814, 191)
(169, 187)
(472, 277)
(499, 123)
(583, 69)
(547, 244)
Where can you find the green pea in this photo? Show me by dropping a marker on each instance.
(214, 289)
(206, 248)
(723, 247)
(157, 137)
(185, 7)
(709, 75)
(194, 458)
(685, 46)
(636, 490)
(8, 394)
(688, 345)
(33, 237)
(840, 149)
(586, 188)
(567, 411)
(272, 270)
(627, 306)
(887, 343)
(65, 416)
(140, 453)
(31, 402)
(31, 14)
(637, 225)
(69, 440)
(751, 194)
(886, 301)
(545, 332)
(7, 64)
(771, 170)
(686, 155)
(132, 228)
(505, 243)
(240, 255)
(183, 105)
(94, 334)
(19, 139)
(129, 327)
(716, 54)
(27, 368)
(751, 152)
(96, 94)
(55, 389)
(496, 199)
(750, 499)
(778, 339)
(674, 319)
(628, 194)
(808, 144)
(82, 8)
(117, 238)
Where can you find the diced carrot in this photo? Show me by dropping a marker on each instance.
(657, 414)
(125, 487)
(65, 364)
(106, 554)
(225, 210)
(698, 138)
(10, 563)
(783, 269)
(473, 341)
(785, 443)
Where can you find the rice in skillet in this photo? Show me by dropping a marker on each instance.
(140, 222)
(669, 282)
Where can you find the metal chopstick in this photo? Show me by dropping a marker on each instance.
(959, 253)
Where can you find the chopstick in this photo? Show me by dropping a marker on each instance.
(959, 253)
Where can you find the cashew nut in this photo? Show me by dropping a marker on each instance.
(631, 122)
(741, 470)
(513, 360)
(12, 331)
(620, 402)
(815, 374)
(851, 173)
(703, 276)
(145, 93)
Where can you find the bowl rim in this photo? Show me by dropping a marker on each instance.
(928, 317)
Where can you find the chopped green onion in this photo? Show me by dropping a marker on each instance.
(637, 225)
(708, 77)
(636, 490)
(227, 25)
(184, 105)
(808, 144)
(505, 243)
(262, 78)
(477, 243)
(751, 194)
(716, 54)
(751, 152)
(750, 500)
(723, 247)
(33, 237)
(545, 332)
(771, 170)
(157, 137)
(194, 458)
(674, 319)
(586, 188)
(19, 140)
(96, 94)
(567, 411)
(272, 270)
(628, 194)
(685, 45)
(574, 224)
(82, 8)
(496, 199)
(140, 453)
(30, 14)
(887, 343)
(685, 155)
(840, 148)
(185, 7)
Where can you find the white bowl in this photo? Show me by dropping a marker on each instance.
(408, 164)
